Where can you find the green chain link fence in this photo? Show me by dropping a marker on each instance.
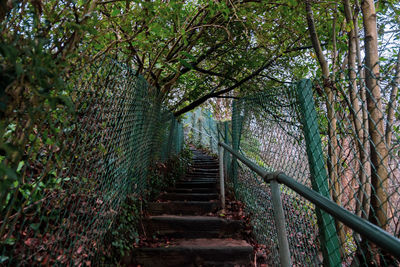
(69, 161)
(202, 130)
(317, 134)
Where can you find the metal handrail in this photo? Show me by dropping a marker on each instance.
(200, 131)
(372, 232)
(279, 215)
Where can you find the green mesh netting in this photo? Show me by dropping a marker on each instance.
(72, 163)
(312, 136)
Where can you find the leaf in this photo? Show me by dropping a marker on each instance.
(31, 137)
(49, 141)
(80, 249)
(186, 54)
(185, 63)
(20, 165)
(30, 242)
(10, 241)
(115, 12)
(34, 226)
(3, 259)
(18, 69)
(169, 67)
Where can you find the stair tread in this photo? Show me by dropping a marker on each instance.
(184, 207)
(215, 243)
(190, 194)
(191, 190)
(202, 240)
(189, 226)
(196, 182)
(190, 217)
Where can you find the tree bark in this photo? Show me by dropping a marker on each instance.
(378, 146)
(355, 105)
(379, 151)
(364, 191)
(392, 103)
(332, 121)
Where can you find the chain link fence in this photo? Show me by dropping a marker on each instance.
(338, 138)
(69, 161)
(202, 130)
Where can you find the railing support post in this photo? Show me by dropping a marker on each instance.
(279, 217)
(221, 175)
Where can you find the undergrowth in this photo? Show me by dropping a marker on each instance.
(125, 231)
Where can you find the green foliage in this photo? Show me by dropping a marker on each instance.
(164, 175)
(125, 231)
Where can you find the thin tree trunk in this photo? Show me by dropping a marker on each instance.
(364, 191)
(332, 121)
(392, 103)
(355, 108)
(379, 152)
(378, 147)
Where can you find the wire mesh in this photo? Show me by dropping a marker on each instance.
(271, 136)
(202, 130)
(361, 144)
(271, 133)
(354, 134)
(71, 164)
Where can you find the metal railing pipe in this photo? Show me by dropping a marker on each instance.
(372, 232)
(279, 214)
(257, 169)
(279, 218)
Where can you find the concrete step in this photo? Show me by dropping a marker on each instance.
(195, 252)
(189, 196)
(202, 175)
(192, 190)
(193, 226)
(199, 179)
(195, 184)
(205, 165)
(195, 169)
(183, 207)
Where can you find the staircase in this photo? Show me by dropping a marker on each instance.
(188, 215)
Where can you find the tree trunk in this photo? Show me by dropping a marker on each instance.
(378, 147)
(379, 151)
(335, 185)
(364, 191)
(355, 105)
(392, 104)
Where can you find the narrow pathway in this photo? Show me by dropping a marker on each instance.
(183, 214)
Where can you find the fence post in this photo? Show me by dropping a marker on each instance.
(172, 135)
(319, 178)
(210, 130)
(179, 146)
(221, 174)
(236, 129)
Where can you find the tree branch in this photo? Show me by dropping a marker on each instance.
(204, 98)
(209, 72)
